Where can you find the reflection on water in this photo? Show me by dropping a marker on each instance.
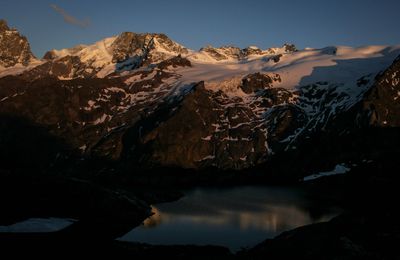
(234, 217)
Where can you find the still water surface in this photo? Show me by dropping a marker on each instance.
(232, 217)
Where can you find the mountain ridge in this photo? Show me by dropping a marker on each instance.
(146, 101)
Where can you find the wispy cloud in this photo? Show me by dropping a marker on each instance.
(69, 18)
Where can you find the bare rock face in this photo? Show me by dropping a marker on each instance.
(258, 81)
(222, 53)
(169, 45)
(230, 52)
(129, 44)
(289, 48)
(14, 48)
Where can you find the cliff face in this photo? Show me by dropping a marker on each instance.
(14, 47)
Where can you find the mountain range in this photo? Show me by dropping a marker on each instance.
(143, 101)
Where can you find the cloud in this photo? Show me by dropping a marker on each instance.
(69, 18)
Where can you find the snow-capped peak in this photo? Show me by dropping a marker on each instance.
(105, 55)
(15, 52)
(100, 53)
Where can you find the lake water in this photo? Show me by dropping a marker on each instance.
(232, 217)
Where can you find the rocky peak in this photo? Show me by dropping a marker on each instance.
(289, 48)
(223, 52)
(286, 48)
(3, 25)
(129, 44)
(126, 51)
(251, 50)
(14, 47)
(49, 55)
(232, 52)
(170, 45)
(213, 52)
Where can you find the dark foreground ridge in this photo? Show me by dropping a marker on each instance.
(368, 229)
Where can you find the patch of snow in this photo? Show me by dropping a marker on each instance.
(339, 169)
(207, 138)
(217, 127)
(64, 78)
(229, 138)
(239, 125)
(19, 68)
(395, 82)
(253, 47)
(38, 225)
(209, 157)
(115, 90)
(99, 53)
(101, 119)
(91, 105)
(106, 70)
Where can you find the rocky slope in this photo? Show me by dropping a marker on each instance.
(148, 102)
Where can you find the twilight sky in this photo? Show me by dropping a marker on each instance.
(60, 24)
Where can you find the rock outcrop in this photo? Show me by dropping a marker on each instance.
(14, 48)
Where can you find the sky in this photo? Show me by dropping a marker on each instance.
(56, 24)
